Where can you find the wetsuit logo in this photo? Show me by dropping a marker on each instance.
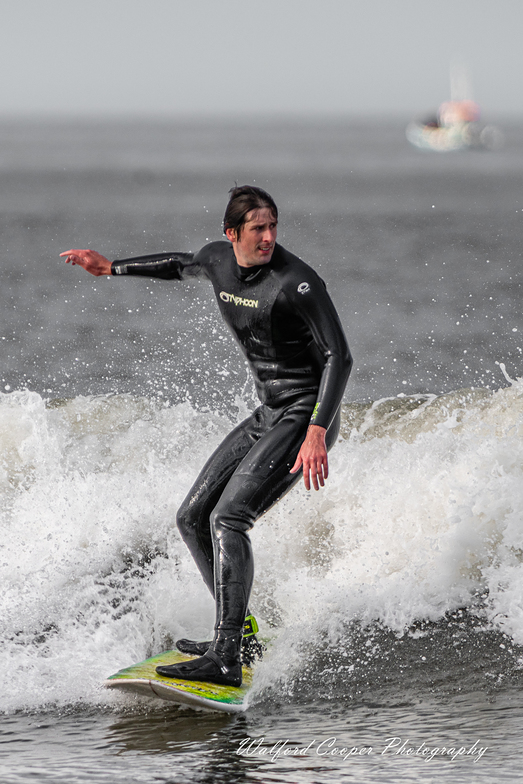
(304, 288)
(247, 303)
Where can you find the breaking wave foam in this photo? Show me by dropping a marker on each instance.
(422, 515)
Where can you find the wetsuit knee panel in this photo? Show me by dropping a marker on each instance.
(186, 520)
(225, 521)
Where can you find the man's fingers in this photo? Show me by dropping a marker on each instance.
(90, 260)
(317, 476)
(297, 465)
(71, 254)
(306, 478)
(317, 473)
(310, 474)
(72, 257)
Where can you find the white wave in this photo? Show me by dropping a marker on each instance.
(422, 514)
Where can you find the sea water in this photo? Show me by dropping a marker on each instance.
(392, 598)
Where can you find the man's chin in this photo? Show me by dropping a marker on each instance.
(264, 258)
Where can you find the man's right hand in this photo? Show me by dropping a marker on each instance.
(90, 260)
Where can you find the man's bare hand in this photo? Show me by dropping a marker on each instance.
(313, 457)
(90, 260)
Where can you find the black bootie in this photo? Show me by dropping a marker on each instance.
(251, 648)
(210, 668)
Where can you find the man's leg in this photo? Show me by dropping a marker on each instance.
(261, 478)
(193, 517)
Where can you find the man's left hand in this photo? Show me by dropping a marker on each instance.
(313, 457)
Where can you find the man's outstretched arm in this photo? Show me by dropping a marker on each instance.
(168, 266)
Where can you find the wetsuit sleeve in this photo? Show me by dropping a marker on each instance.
(308, 297)
(168, 266)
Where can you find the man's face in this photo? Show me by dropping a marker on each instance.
(257, 238)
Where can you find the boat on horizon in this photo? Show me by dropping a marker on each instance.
(456, 125)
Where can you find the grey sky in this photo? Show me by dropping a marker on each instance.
(180, 57)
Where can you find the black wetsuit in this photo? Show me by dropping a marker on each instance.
(290, 333)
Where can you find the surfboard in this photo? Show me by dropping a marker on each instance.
(143, 679)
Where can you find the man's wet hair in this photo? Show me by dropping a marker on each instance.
(242, 200)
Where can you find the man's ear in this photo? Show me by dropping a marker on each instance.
(230, 234)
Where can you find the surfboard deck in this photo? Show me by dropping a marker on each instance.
(143, 679)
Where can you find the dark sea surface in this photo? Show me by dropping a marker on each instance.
(393, 599)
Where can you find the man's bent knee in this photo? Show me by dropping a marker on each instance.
(223, 522)
(186, 522)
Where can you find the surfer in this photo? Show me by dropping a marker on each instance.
(285, 322)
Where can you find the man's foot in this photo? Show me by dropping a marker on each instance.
(193, 648)
(251, 650)
(207, 668)
(251, 647)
